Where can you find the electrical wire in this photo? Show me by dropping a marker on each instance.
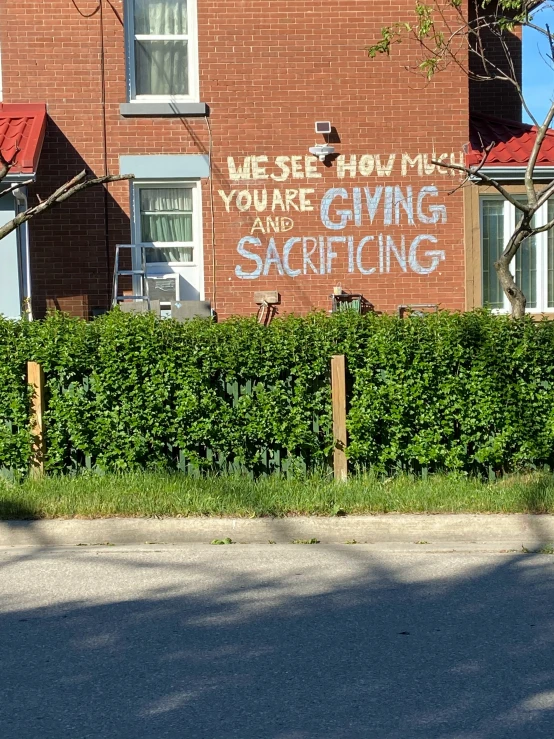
(100, 9)
(86, 15)
(119, 18)
(104, 140)
(212, 210)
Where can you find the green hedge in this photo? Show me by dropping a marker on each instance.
(471, 392)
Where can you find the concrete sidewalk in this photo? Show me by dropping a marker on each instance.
(466, 532)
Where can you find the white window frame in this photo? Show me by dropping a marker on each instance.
(197, 243)
(192, 51)
(510, 219)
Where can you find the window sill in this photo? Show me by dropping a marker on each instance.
(533, 312)
(163, 110)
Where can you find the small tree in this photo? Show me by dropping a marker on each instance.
(448, 34)
(72, 187)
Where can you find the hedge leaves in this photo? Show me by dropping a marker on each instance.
(469, 392)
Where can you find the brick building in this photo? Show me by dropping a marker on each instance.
(212, 106)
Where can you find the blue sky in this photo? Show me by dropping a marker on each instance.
(538, 77)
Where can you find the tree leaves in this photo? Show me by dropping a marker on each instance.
(462, 392)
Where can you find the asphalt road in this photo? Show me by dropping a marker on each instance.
(275, 642)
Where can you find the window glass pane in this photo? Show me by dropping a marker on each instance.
(551, 256)
(166, 199)
(165, 227)
(169, 254)
(526, 269)
(166, 216)
(493, 244)
(161, 17)
(161, 68)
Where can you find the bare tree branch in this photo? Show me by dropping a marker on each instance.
(521, 232)
(15, 186)
(542, 130)
(67, 190)
(550, 41)
(514, 77)
(486, 180)
(467, 178)
(463, 183)
(540, 29)
(440, 44)
(546, 227)
(533, 5)
(545, 194)
(5, 165)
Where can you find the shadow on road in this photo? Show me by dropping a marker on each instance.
(289, 643)
(16, 518)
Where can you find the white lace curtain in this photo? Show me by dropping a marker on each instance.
(161, 17)
(166, 199)
(161, 65)
(166, 216)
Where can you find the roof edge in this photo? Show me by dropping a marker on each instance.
(30, 154)
(514, 173)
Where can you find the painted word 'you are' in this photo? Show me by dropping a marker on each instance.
(340, 209)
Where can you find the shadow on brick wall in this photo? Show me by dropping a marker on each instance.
(73, 245)
(496, 97)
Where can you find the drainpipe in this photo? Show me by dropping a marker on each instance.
(20, 195)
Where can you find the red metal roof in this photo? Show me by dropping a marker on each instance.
(513, 143)
(22, 128)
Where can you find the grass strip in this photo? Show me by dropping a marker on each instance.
(157, 494)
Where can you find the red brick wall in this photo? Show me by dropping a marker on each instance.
(491, 96)
(268, 70)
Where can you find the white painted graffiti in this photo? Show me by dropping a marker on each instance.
(297, 167)
(285, 201)
(394, 202)
(341, 209)
(316, 255)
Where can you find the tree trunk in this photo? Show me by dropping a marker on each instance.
(517, 299)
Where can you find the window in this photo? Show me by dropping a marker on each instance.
(163, 50)
(165, 222)
(533, 266)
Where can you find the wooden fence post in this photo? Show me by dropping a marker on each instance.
(338, 394)
(35, 378)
